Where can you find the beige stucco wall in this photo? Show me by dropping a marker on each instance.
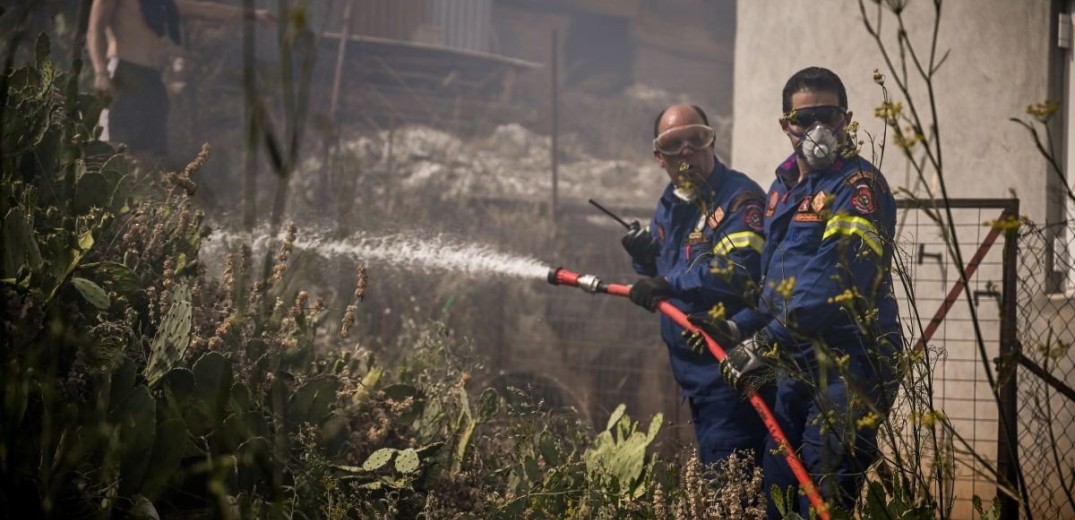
(997, 66)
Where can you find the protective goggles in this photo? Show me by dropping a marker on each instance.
(674, 140)
(805, 117)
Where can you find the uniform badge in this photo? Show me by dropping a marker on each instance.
(820, 202)
(770, 210)
(806, 212)
(715, 218)
(752, 217)
(695, 238)
(862, 201)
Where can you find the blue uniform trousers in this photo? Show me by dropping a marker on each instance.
(822, 419)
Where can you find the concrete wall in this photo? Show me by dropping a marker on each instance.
(998, 64)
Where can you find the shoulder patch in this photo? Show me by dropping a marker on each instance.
(863, 199)
(753, 219)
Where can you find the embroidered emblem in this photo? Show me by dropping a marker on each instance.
(716, 217)
(695, 238)
(820, 202)
(862, 201)
(770, 210)
(752, 217)
(805, 212)
(807, 217)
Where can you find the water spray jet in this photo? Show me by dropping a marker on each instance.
(424, 253)
(593, 285)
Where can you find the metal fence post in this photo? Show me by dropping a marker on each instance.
(1008, 420)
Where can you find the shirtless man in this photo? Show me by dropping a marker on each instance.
(124, 41)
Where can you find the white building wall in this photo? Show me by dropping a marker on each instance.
(997, 66)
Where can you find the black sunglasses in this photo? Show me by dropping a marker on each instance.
(804, 117)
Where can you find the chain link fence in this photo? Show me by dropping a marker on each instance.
(1046, 372)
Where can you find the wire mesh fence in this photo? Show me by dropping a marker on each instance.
(1046, 371)
(957, 327)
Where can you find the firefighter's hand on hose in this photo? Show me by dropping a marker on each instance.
(640, 244)
(648, 292)
(723, 331)
(746, 367)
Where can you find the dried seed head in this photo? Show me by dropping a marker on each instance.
(347, 322)
(360, 285)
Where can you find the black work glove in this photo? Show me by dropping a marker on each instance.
(648, 292)
(640, 244)
(723, 331)
(746, 366)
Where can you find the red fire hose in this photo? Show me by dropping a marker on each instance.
(592, 284)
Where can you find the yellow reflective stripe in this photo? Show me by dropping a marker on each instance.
(859, 226)
(737, 241)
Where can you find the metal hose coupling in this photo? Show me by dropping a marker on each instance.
(587, 282)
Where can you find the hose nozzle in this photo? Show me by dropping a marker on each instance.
(587, 282)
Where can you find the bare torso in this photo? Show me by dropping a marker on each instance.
(130, 39)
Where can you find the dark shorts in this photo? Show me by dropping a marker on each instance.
(139, 112)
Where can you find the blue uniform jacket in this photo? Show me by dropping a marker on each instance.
(826, 262)
(721, 227)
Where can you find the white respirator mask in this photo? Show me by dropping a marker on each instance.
(818, 147)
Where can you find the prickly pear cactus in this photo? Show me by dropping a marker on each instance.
(378, 459)
(618, 455)
(407, 461)
(91, 292)
(172, 338)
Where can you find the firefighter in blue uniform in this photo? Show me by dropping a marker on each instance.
(827, 315)
(708, 215)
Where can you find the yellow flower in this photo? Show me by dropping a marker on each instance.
(843, 361)
(786, 287)
(930, 418)
(889, 112)
(870, 420)
(1010, 223)
(1043, 111)
(907, 139)
(845, 296)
